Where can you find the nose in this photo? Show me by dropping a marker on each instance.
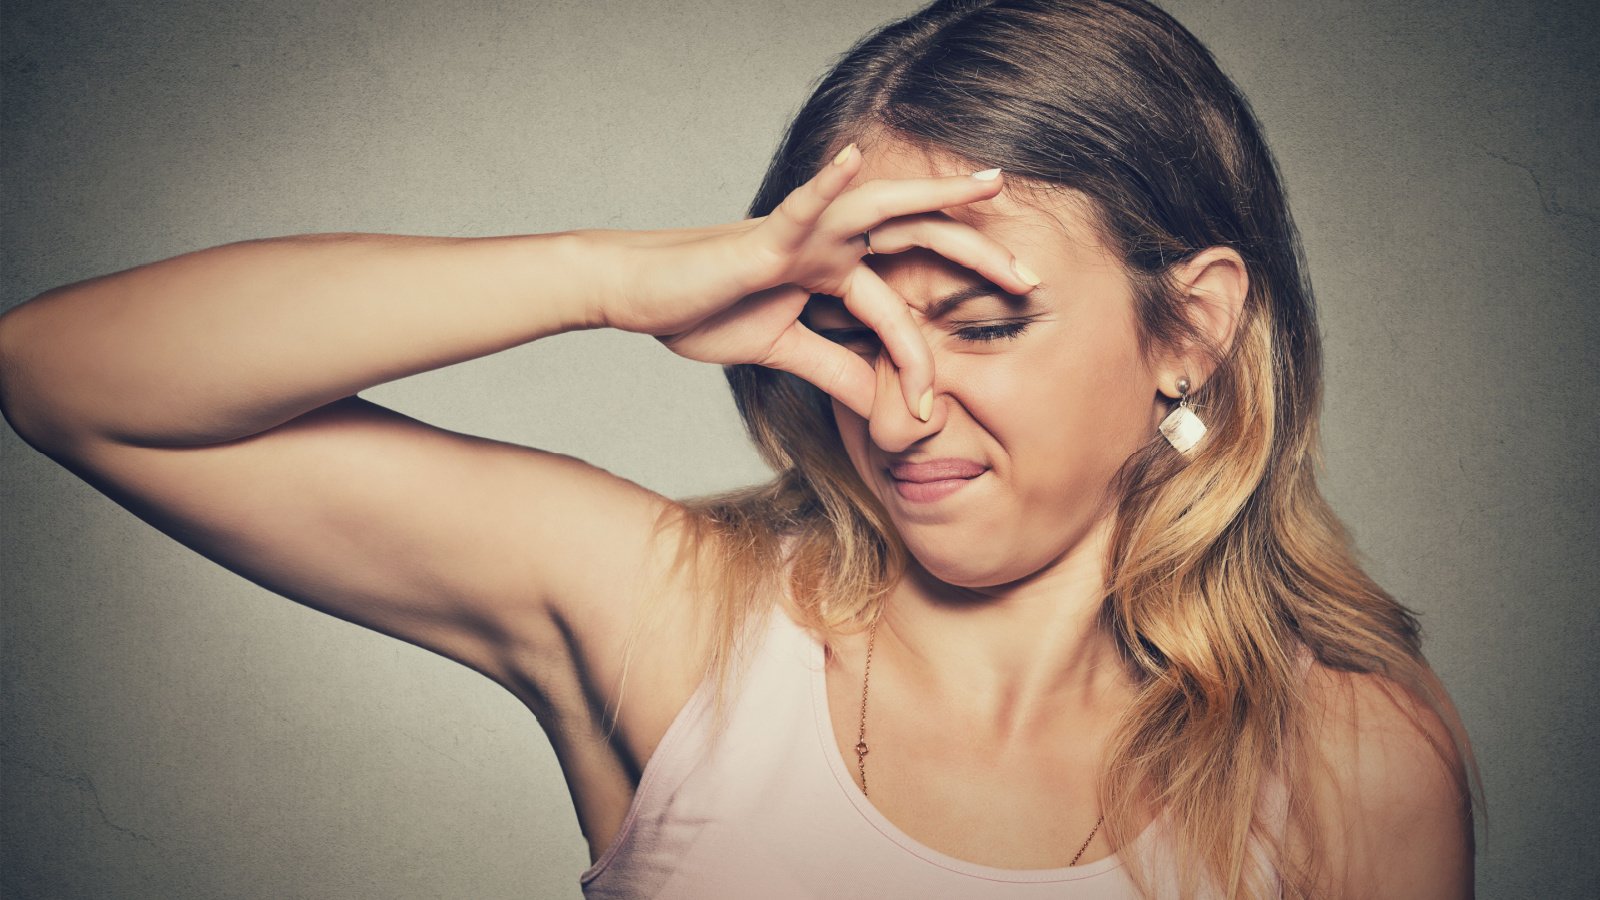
(892, 426)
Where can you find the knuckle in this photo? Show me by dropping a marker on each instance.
(776, 354)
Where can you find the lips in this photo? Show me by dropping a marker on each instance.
(943, 469)
(934, 479)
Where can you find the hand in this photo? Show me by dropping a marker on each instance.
(733, 294)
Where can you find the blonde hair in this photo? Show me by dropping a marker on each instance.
(1222, 566)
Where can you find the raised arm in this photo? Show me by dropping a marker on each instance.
(214, 395)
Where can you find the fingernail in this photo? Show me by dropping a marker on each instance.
(1025, 273)
(925, 405)
(843, 155)
(987, 174)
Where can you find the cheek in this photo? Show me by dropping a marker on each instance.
(1073, 408)
(1110, 383)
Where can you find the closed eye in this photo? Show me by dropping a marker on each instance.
(974, 334)
(986, 333)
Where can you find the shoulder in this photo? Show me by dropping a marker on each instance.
(1388, 788)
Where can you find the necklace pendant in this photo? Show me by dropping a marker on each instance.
(861, 749)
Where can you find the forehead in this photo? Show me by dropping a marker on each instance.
(1049, 228)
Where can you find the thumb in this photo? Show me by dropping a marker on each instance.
(838, 372)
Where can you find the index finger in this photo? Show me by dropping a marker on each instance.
(799, 211)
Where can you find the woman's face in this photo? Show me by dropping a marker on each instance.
(1046, 393)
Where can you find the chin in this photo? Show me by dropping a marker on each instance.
(965, 564)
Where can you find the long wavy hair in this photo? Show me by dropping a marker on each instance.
(1222, 567)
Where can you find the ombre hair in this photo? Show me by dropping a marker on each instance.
(1223, 567)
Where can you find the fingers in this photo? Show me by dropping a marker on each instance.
(797, 215)
(879, 200)
(837, 371)
(885, 312)
(958, 242)
(902, 213)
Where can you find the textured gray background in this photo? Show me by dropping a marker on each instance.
(172, 731)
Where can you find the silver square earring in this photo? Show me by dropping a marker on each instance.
(1182, 428)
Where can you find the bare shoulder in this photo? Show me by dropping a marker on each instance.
(1389, 789)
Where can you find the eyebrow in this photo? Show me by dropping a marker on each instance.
(949, 303)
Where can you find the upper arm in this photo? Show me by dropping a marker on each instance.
(458, 544)
(1391, 795)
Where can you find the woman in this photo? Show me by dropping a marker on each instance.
(1019, 320)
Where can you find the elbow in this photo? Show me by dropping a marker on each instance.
(10, 372)
(21, 402)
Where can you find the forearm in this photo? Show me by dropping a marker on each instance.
(232, 340)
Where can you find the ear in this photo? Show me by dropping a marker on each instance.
(1212, 284)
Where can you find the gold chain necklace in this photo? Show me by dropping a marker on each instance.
(861, 738)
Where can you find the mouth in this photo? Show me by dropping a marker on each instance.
(933, 480)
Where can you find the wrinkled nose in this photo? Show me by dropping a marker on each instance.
(892, 426)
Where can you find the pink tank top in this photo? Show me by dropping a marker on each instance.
(770, 811)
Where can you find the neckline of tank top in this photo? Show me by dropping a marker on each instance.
(828, 743)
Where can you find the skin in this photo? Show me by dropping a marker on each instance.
(988, 651)
(993, 690)
(214, 394)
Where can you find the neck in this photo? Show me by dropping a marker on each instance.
(1013, 658)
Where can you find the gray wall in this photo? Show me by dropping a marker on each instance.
(172, 731)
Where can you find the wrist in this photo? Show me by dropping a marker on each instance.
(606, 263)
(564, 271)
